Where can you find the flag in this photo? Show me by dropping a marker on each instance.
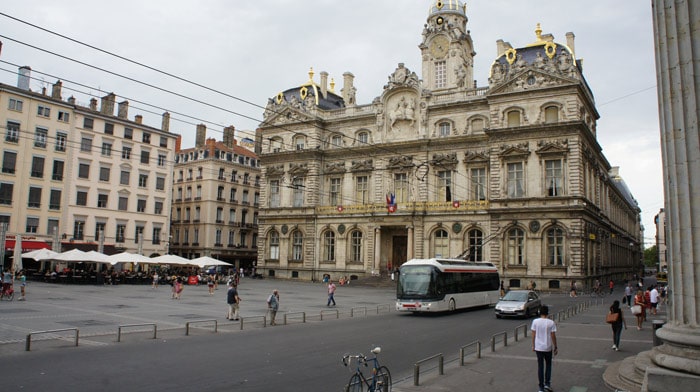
(391, 202)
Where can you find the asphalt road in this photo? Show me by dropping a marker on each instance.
(295, 357)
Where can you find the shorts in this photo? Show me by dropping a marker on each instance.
(653, 304)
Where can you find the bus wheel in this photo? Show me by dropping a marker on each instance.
(451, 307)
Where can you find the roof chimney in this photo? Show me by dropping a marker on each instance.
(23, 76)
(56, 90)
(138, 119)
(165, 124)
(107, 106)
(229, 140)
(71, 100)
(201, 136)
(93, 104)
(348, 90)
(123, 109)
(570, 43)
(324, 84)
(178, 143)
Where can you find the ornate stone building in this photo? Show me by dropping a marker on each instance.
(510, 173)
(215, 201)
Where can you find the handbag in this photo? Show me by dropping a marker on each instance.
(612, 317)
(636, 309)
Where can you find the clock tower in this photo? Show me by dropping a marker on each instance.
(447, 48)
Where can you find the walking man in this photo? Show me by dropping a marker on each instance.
(331, 292)
(273, 304)
(544, 344)
(628, 294)
(654, 298)
(233, 300)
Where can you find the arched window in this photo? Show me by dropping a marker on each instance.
(274, 245)
(444, 129)
(476, 249)
(297, 246)
(515, 246)
(477, 125)
(276, 144)
(555, 246)
(356, 246)
(513, 118)
(363, 137)
(328, 246)
(336, 141)
(299, 142)
(551, 114)
(441, 244)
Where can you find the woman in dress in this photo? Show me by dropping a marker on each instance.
(617, 325)
(639, 300)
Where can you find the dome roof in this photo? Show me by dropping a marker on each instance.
(448, 6)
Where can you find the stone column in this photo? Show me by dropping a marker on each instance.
(677, 38)
(409, 243)
(377, 250)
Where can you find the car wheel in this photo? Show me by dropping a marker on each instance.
(527, 313)
(451, 307)
(498, 316)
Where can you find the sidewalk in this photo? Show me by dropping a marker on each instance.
(585, 352)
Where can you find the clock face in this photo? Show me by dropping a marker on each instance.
(439, 46)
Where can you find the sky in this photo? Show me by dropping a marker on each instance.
(241, 53)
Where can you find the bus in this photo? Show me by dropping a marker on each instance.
(436, 285)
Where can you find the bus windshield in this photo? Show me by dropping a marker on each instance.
(415, 282)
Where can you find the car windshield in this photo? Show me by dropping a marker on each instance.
(515, 296)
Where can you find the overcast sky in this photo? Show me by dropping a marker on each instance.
(251, 50)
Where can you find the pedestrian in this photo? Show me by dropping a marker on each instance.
(154, 285)
(273, 304)
(617, 324)
(611, 284)
(544, 344)
(23, 285)
(233, 301)
(647, 302)
(654, 299)
(210, 284)
(572, 293)
(503, 290)
(331, 292)
(628, 294)
(638, 308)
(179, 286)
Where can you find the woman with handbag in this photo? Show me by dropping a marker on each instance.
(638, 308)
(616, 320)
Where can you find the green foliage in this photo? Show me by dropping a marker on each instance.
(651, 256)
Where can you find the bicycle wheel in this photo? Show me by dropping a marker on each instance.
(383, 380)
(355, 384)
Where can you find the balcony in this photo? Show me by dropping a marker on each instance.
(219, 221)
(220, 199)
(57, 177)
(218, 245)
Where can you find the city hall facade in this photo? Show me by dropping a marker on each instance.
(510, 173)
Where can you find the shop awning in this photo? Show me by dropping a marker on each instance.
(27, 245)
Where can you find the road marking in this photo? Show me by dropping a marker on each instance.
(595, 363)
(578, 389)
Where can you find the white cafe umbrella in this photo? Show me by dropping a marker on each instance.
(171, 259)
(97, 257)
(17, 259)
(75, 255)
(204, 261)
(126, 257)
(40, 254)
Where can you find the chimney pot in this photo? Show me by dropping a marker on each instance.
(23, 75)
(165, 124)
(200, 136)
(93, 104)
(138, 119)
(123, 110)
(56, 90)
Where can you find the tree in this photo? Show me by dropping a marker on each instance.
(651, 256)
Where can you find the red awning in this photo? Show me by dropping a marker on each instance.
(27, 245)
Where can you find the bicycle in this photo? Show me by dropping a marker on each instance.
(380, 380)
(598, 292)
(7, 292)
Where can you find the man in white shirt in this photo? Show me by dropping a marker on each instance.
(544, 344)
(654, 299)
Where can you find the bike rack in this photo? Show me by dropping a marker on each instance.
(388, 307)
(337, 313)
(463, 348)
(523, 327)
(416, 367)
(119, 330)
(28, 344)
(264, 320)
(493, 340)
(216, 325)
(303, 316)
(363, 308)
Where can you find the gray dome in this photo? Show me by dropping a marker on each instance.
(448, 6)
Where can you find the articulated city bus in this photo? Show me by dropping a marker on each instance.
(435, 285)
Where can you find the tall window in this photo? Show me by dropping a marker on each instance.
(441, 245)
(104, 174)
(274, 193)
(513, 118)
(328, 246)
(444, 129)
(34, 197)
(106, 149)
(477, 125)
(124, 177)
(123, 203)
(9, 162)
(478, 183)
(156, 235)
(299, 142)
(161, 159)
(336, 141)
(120, 233)
(476, 245)
(217, 238)
(99, 230)
(32, 225)
(79, 230)
(88, 122)
(81, 198)
(6, 193)
(334, 192)
(551, 114)
(12, 134)
(37, 167)
(83, 170)
(126, 152)
(138, 234)
(143, 180)
(401, 187)
(57, 171)
(444, 185)
(440, 74)
(361, 189)
(553, 177)
(55, 199)
(363, 138)
(128, 133)
(141, 205)
(274, 245)
(515, 246)
(102, 200)
(298, 191)
(86, 144)
(145, 157)
(555, 246)
(356, 246)
(515, 180)
(61, 139)
(40, 137)
(297, 246)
